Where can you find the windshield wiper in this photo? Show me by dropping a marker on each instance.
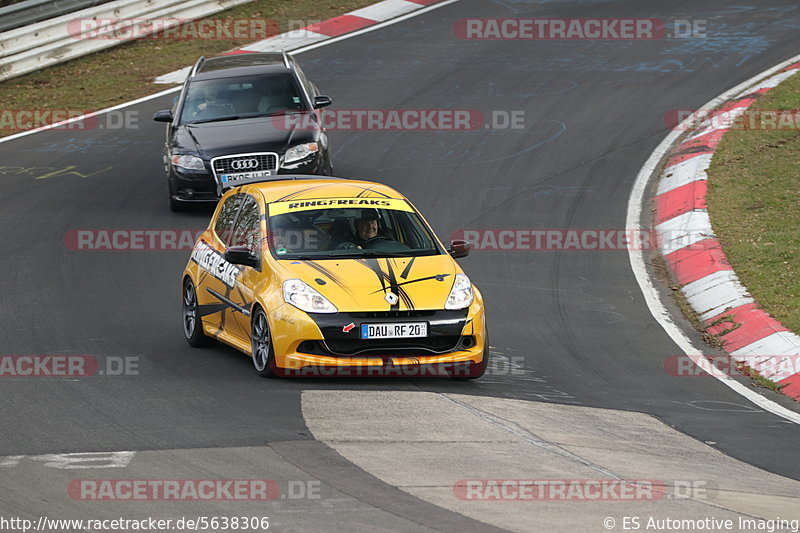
(284, 112)
(368, 253)
(378, 253)
(220, 119)
(356, 254)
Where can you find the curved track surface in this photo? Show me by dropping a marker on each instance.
(575, 323)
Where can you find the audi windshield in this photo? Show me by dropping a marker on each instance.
(244, 97)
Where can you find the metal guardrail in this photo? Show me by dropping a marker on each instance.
(42, 44)
(32, 11)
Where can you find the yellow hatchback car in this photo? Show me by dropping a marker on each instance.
(319, 276)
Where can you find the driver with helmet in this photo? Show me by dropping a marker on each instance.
(366, 227)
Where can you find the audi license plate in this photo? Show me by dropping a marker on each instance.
(398, 330)
(245, 175)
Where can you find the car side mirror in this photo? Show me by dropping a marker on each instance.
(459, 248)
(322, 101)
(241, 255)
(165, 115)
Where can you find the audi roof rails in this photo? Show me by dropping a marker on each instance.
(197, 66)
(286, 59)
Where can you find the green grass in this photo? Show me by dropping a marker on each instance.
(754, 205)
(126, 72)
(758, 380)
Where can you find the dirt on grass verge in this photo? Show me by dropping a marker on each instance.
(754, 200)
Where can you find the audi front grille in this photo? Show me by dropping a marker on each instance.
(231, 164)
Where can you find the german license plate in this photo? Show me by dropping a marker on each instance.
(394, 330)
(245, 175)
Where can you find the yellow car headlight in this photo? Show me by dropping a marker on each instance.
(461, 295)
(302, 296)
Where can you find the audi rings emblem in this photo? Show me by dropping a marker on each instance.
(244, 164)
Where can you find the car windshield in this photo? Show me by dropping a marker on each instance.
(243, 97)
(300, 229)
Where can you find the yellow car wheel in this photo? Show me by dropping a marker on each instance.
(261, 343)
(192, 324)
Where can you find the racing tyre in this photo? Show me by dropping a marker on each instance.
(261, 343)
(192, 324)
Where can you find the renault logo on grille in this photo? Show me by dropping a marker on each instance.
(244, 164)
(391, 298)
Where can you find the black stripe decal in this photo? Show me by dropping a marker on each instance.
(438, 277)
(229, 303)
(373, 265)
(383, 277)
(396, 288)
(395, 306)
(366, 190)
(331, 275)
(210, 309)
(407, 269)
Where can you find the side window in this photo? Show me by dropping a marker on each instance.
(248, 227)
(178, 102)
(224, 224)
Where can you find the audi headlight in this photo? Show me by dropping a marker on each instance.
(189, 162)
(305, 298)
(301, 151)
(461, 294)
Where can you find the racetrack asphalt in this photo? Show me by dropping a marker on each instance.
(573, 322)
